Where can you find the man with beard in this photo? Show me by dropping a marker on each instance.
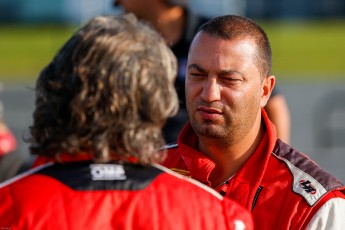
(231, 145)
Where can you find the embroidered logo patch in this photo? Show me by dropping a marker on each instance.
(307, 186)
(107, 172)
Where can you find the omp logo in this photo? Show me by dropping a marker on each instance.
(307, 186)
(107, 172)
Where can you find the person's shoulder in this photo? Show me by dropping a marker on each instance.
(20, 192)
(309, 180)
(19, 178)
(330, 215)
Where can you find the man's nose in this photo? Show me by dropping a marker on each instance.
(211, 90)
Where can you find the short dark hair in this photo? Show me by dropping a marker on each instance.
(108, 91)
(230, 27)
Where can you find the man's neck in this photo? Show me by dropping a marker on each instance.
(229, 159)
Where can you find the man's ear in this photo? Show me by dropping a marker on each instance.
(267, 87)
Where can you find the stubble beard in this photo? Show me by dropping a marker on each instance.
(232, 131)
(213, 131)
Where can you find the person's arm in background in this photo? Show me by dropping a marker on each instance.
(278, 112)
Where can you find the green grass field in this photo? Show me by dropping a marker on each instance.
(302, 50)
(25, 50)
(311, 50)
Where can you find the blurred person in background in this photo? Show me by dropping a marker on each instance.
(100, 107)
(231, 145)
(9, 157)
(178, 24)
(8, 142)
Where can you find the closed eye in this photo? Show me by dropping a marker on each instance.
(198, 74)
(196, 71)
(231, 77)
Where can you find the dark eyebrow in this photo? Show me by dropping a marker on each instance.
(228, 72)
(198, 68)
(221, 73)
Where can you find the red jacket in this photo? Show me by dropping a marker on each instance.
(282, 187)
(84, 195)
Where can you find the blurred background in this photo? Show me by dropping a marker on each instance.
(308, 43)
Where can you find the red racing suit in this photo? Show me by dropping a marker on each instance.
(85, 195)
(282, 187)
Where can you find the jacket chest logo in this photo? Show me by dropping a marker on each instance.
(307, 186)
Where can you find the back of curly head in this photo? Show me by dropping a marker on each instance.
(108, 91)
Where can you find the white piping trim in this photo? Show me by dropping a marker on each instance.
(25, 174)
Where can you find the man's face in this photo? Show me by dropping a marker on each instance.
(223, 88)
